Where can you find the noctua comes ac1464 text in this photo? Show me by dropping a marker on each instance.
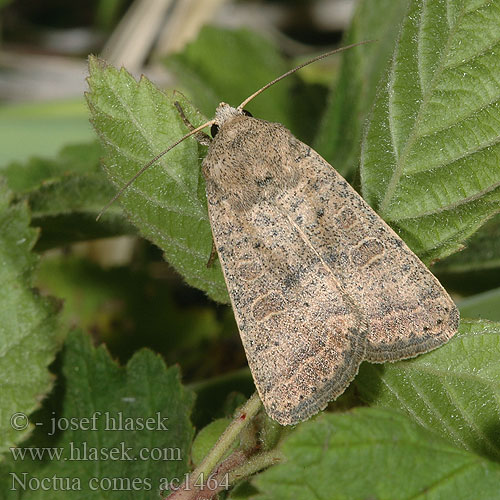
(317, 280)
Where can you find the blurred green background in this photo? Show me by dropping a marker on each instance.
(45, 46)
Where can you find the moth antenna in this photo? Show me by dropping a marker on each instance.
(241, 106)
(149, 163)
(288, 73)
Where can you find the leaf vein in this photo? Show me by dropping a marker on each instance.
(451, 206)
(471, 59)
(179, 182)
(481, 147)
(470, 420)
(433, 410)
(400, 160)
(437, 484)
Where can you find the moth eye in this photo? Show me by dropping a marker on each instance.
(247, 113)
(214, 129)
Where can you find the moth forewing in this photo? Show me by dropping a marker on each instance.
(318, 281)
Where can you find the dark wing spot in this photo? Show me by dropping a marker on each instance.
(265, 181)
(367, 251)
(346, 218)
(270, 303)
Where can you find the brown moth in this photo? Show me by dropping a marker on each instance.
(317, 280)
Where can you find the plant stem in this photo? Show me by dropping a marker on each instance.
(246, 412)
(214, 456)
(255, 464)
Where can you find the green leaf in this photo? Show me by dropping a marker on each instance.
(207, 437)
(65, 195)
(81, 159)
(482, 251)
(481, 305)
(375, 453)
(243, 491)
(339, 137)
(453, 391)
(108, 406)
(230, 65)
(127, 308)
(430, 156)
(219, 396)
(475, 270)
(135, 122)
(29, 329)
(41, 128)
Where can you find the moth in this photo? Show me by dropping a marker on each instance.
(317, 280)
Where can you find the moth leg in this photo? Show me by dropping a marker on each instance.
(201, 137)
(213, 255)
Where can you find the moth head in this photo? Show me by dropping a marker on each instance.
(223, 113)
